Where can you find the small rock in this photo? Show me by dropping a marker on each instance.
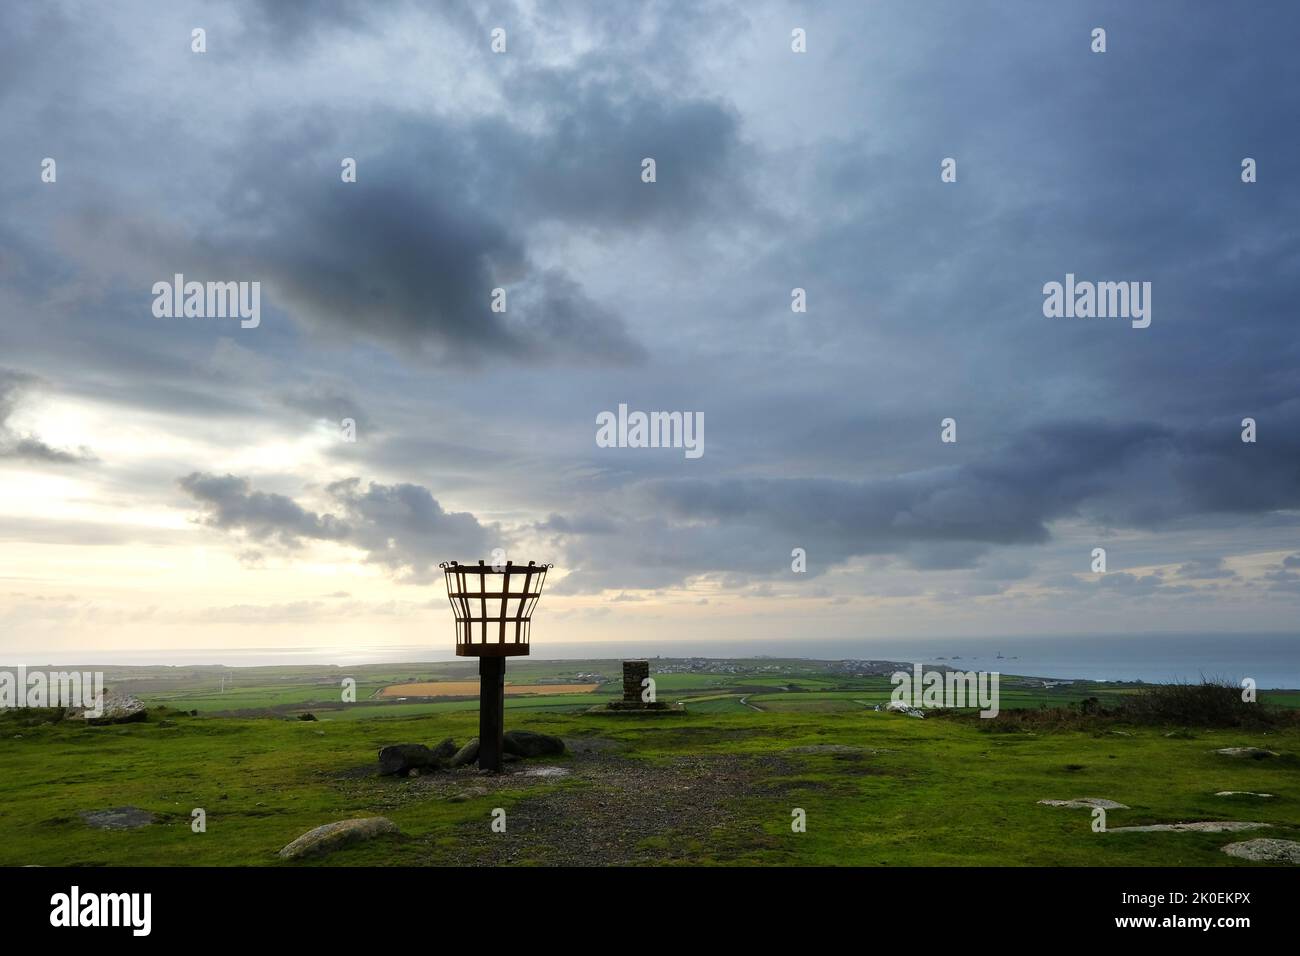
(399, 759)
(1266, 850)
(1085, 803)
(332, 836)
(445, 750)
(307, 715)
(1254, 753)
(116, 710)
(466, 754)
(525, 743)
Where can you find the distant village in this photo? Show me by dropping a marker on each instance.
(791, 667)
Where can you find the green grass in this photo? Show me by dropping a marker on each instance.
(362, 711)
(936, 792)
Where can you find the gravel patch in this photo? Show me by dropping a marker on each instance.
(1265, 850)
(118, 818)
(621, 804)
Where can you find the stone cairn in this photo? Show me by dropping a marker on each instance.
(634, 672)
(630, 704)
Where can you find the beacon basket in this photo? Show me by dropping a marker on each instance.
(493, 606)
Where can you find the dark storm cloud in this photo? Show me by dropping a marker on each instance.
(410, 253)
(925, 297)
(1049, 182)
(409, 256)
(1119, 475)
(444, 209)
(401, 527)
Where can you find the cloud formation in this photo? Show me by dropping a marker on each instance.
(20, 446)
(475, 429)
(400, 527)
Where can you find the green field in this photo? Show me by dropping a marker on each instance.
(717, 785)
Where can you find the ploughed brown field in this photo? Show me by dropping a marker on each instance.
(469, 688)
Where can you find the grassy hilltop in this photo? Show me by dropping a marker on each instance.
(716, 785)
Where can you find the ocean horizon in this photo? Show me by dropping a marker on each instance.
(1272, 660)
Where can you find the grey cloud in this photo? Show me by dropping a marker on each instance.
(945, 557)
(231, 505)
(404, 257)
(400, 527)
(1206, 569)
(588, 167)
(924, 298)
(282, 26)
(1134, 475)
(329, 403)
(405, 529)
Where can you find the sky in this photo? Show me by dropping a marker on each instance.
(183, 483)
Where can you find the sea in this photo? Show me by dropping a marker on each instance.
(1272, 660)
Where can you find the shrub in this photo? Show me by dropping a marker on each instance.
(1211, 703)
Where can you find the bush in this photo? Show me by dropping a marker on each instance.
(1211, 703)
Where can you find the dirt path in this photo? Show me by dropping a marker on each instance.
(603, 809)
(622, 804)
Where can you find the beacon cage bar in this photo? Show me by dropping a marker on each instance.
(483, 598)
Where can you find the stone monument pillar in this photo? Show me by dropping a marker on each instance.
(634, 672)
